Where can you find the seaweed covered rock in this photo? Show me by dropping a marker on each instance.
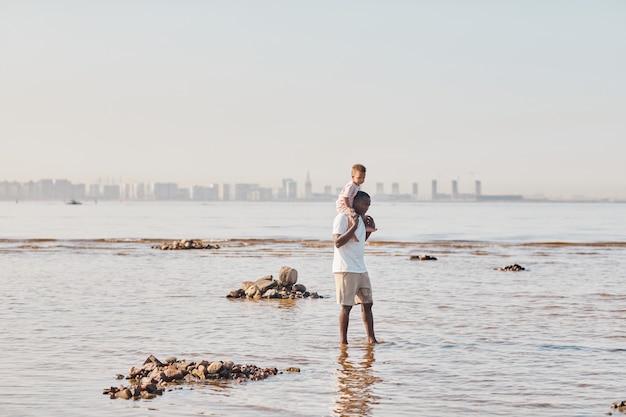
(186, 244)
(512, 267)
(422, 258)
(152, 378)
(285, 286)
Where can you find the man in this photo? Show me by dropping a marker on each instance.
(351, 279)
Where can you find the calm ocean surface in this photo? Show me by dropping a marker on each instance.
(84, 296)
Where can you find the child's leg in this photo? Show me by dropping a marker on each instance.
(368, 228)
(343, 209)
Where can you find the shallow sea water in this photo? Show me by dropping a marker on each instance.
(84, 296)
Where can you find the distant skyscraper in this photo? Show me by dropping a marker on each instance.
(46, 189)
(290, 189)
(205, 193)
(395, 188)
(455, 189)
(380, 188)
(225, 193)
(308, 188)
(434, 190)
(111, 192)
(243, 191)
(415, 189)
(478, 188)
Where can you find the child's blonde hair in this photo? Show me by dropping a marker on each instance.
(358, 168)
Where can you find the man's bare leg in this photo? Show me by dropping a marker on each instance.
(344, 319)
(368, 320)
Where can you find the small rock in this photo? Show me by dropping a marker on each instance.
(253, 292)
(214, 367)
(124, 394)
(512, 267)
(423, 258)
(287, 276)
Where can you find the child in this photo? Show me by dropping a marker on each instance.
(346, 196)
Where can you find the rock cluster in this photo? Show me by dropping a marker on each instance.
(285, 286)
(621, 406)
(185, 244)
(151, 379)
(422, 258)
(512, 267)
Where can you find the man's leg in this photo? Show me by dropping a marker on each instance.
(344, 318)
(368, 320)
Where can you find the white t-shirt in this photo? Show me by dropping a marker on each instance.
(349, 257)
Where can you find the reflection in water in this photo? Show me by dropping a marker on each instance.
(355, 382)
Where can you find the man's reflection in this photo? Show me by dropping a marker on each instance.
(355, 382)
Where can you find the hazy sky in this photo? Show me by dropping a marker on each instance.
(527, 96)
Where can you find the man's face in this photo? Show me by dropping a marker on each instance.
(361, 205)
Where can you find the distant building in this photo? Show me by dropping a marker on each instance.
(455, 190)
(10, 190)
(243, 192)
(167, 191)
(436, 195)
(308, 187)
(503, 197)
(380, 188)
(45, 189)
(395, 188)
(289, 190)
(79, 191)
(111, 192)
(414, 190)
(93, 191)
(260, 194)
(225, 194)
(208, 193)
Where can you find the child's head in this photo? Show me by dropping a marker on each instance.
(358, 174)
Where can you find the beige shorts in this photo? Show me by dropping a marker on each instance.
(353, 288)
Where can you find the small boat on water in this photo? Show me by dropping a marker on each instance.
(74, 202)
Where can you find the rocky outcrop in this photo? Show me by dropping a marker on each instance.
(285, 286)
(512, 267)
(422, 258)
(154, 376)
(186, 244)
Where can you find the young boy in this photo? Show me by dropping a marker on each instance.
(346, 196)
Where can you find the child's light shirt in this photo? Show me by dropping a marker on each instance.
(348, 191)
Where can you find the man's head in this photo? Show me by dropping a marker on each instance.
(361, 202)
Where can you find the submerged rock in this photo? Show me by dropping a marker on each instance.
(185, 244)
(422, 258)
(151, 379)
(512, 267)
(267, 287)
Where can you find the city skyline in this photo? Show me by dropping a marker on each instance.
(527, 96)
(64, 189)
